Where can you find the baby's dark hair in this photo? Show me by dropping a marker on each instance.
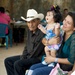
(56, 12)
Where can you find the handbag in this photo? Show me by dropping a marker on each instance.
(58, 71)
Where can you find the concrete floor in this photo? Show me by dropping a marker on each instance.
(14, 50)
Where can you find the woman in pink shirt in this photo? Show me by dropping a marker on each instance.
(5, 19)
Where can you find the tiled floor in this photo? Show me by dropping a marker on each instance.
(15, 50)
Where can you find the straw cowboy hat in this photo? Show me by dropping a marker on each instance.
(32, 14)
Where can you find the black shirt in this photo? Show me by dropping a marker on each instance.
(34, 47)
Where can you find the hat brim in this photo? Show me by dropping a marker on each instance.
(40, 16)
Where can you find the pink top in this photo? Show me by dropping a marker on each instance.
(5, 19)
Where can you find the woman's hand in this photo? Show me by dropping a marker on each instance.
(49, 59)
(54, 40)
(69, 73)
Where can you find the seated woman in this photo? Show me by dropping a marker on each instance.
(66, 54)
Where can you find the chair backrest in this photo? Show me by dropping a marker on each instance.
(3, 29)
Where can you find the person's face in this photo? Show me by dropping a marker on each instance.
(65, 11)
(49, 17)
(68, 24)
(33, 25)
(7, 13)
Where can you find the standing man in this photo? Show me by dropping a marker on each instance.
(17, 65)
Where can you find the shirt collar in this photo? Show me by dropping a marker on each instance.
(36, 32)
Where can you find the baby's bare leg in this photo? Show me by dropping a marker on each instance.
(53, 53)
(47, 51)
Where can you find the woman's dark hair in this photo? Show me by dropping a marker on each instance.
(56, 12)
(72, 14)
(2, 9)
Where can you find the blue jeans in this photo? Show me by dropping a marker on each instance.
(40, 69)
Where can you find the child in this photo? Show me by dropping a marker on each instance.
(51, 30)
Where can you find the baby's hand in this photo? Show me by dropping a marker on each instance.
(39, 26)
(57, 25)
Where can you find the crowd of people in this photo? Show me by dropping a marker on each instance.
(45, 46)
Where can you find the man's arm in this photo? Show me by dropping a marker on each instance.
(24, 54)
(38, 47)
(38, 50)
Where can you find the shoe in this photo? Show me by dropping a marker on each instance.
(51, 65)
(44, 63)
(2, 45)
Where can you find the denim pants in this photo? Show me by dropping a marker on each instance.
(40, 69)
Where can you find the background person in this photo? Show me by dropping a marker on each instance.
(8, 13)
(34, 49)
(65, 12)
(5, 19)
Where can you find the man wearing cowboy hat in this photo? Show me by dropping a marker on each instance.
(17, 65)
